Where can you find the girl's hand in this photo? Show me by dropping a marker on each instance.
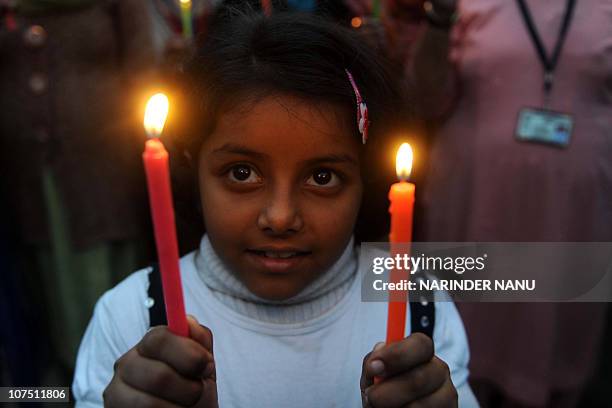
(412, 376)
(166, 370)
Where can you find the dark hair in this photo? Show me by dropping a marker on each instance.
(247, 56)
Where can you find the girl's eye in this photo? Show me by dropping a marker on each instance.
(323, 178)
(243, 174)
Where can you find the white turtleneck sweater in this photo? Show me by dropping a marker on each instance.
(302, 352)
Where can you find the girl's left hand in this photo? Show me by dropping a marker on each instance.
(411, 376)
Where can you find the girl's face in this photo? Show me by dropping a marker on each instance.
(280, 187)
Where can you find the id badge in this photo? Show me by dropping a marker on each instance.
(544, 126)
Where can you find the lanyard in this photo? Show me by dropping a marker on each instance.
(548, 63)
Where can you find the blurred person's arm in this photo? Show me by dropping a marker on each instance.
(430, 70)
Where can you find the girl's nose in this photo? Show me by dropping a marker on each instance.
(280, 215)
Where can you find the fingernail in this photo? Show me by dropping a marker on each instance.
(377, 367)
(379, 345)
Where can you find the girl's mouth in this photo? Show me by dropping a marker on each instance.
(277, 261)
(279, 254)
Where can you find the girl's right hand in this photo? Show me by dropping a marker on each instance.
(166, 370)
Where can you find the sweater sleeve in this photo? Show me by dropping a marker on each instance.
(119, 321)
(451, 346)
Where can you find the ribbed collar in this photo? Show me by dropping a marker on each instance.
(317, 298)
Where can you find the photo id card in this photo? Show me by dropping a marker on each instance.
(544, 126)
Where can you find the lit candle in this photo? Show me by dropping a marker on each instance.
(401, 196)
(186, 19)
(155, 159)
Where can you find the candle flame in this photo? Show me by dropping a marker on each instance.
(186, 2)
(156, 114)
(403, 162)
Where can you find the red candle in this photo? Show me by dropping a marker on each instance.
(155, 159)
(401, 196)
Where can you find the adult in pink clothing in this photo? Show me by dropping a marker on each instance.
(483, 185)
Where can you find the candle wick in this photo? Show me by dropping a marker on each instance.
(403, 176)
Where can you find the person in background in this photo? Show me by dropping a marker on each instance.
(472, 76)
(73, 74)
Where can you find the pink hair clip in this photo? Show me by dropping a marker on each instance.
(362, 110)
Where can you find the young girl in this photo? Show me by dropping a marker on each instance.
(284, 179)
